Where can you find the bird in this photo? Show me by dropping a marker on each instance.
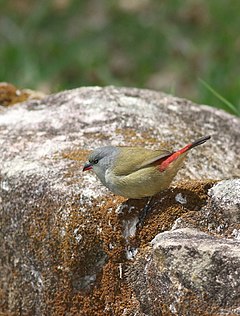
(136, 172)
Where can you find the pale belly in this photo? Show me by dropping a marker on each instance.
(142, 183)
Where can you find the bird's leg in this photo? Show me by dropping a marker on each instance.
(144, 212)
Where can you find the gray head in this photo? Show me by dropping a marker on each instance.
(100, 160)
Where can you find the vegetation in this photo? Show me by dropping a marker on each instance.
(52, 45)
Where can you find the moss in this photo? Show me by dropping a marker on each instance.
(130, 136)
(165, 209)
(9, 94)
(78, 155)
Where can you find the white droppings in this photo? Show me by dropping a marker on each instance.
(131, 253)
(77, 235)
(99, 230)
(130, 227)
(180, 198)
(221, 227)
(120, 271)
(122, 208)
(110, 246)
(236, 234)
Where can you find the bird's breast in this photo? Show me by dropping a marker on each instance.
(114, 183)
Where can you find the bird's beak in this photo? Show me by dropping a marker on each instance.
(87, 166)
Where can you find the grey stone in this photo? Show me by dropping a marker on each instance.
(62, 241)
(187, 272)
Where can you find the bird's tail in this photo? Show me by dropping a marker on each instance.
(172, 157)
(198, 142)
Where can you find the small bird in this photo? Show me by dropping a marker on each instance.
(135, 172)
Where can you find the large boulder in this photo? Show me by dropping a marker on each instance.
(67, 244)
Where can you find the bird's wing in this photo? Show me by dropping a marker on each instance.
(131, 159)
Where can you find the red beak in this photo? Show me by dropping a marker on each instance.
(87, 166)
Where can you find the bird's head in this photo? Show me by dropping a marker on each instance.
(100, 160)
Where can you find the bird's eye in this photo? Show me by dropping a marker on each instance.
(95, 161)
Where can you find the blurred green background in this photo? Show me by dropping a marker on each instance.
(51, 45)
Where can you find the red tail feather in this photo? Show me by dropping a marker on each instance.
(163, 166)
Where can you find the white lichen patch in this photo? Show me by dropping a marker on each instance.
(18, 116)
(226, 192)
(92, 187)
(18, 165)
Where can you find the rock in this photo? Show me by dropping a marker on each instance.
(220, 215)
(66, 242)
(187, 272)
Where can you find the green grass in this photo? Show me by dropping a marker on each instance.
(53, 45)
(226, 105)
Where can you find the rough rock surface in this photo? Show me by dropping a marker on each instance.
(66, 243)
(221, 214)
(190, 272)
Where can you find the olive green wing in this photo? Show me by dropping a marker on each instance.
(131, 159)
